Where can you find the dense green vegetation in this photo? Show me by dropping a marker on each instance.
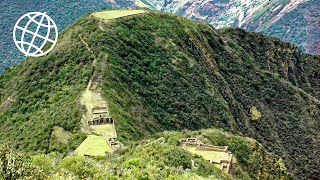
(152, 159)
(45, 95)
(291, 21)
(16, 166)
(163, 72)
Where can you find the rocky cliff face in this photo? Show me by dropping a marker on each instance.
(295, 21)
(301, 26)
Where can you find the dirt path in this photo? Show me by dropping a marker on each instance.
(90, 50)
(5, 104)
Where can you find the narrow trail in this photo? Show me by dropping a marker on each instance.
(6, 103)
(9, 99)
(89, 49)
(97, 122)
(100, 26)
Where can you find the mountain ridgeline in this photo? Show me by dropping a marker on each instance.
(164, 72)
(294, 21)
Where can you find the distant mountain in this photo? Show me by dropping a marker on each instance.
(63, 13)
(295, 21)
(161, 72)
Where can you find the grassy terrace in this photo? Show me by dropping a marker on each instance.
(216, 156)
(96, 143)
(116, 13)
(91, 100)
(94, 146)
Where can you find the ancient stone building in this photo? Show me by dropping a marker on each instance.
(225, 160)
(100, 115)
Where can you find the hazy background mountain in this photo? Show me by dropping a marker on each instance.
(163, 72)
(295, 21)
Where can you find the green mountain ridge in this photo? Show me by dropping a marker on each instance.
(162, 72)
(294, 21)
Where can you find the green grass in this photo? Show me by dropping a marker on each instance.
(61, 135)
(215, 156)
(105, 130)
(116, 13)
(151, 159)
(94, 146)
(91, 99)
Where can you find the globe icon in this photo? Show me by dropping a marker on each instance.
(35, 34)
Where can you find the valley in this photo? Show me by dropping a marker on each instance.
(150, 79)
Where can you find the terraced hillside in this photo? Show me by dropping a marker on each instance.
(163, 72)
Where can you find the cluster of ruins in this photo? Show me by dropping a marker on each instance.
(99, 115)
(224, 164)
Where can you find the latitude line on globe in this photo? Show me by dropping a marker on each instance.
(30, 32)
(22, 43)
(36, 22)
(34, 37)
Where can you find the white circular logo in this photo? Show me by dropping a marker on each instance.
(32, 34)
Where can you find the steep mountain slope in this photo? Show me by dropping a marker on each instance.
(295, 21)
(163, 72)
(63, 13)
(300, 26)
(158, 157)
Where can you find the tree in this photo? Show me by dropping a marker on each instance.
(16, 166)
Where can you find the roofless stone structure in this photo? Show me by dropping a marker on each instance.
(217, 155)
(99, 115)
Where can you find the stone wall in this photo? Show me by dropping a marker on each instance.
(223, 164)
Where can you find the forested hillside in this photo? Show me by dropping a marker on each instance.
(294, 21)
(163, 72)
(150, 159)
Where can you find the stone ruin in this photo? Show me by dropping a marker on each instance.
(114, 143)
(99, 115)
(94, 87)
(223, 164)
(189, 141)
(207, 147)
